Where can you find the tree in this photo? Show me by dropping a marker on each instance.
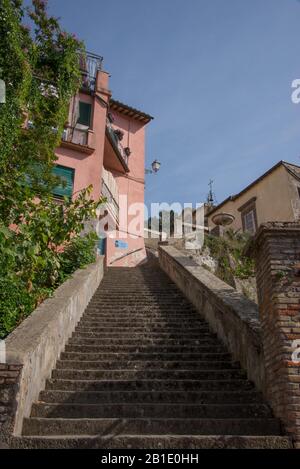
(42, 72)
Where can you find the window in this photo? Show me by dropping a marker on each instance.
(67, 177)
(299, 192)
(249, 221)
(248, 215)
(85, 112)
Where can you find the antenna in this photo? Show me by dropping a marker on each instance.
(211, 199)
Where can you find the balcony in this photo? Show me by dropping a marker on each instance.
(116, 155)
(79, 138)
(90, 64)
(111, 192)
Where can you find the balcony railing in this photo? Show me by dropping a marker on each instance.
(116, 142)
(75, 135)
(89, 65)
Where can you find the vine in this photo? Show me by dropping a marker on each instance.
(41, 71)
(38, 237)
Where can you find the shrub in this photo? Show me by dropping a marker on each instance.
(228, 251)
(80, 252)
(45, 248)
(42, 72)
(16, 303)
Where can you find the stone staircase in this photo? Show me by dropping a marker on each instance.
(143, 370)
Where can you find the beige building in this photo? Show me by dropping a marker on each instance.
(274, 196)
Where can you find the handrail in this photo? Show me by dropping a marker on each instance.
(125, 255)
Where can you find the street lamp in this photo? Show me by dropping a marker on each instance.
(155, 165)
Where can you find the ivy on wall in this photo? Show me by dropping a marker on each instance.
(41, 72)
(228, 252)
(40, 67)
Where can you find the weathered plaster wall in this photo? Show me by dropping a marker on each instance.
(131, 185)
(88, 168)
(273, 200)
(293, 186)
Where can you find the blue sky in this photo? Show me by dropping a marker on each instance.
(215, 74)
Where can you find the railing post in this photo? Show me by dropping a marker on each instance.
(276, 249)
(102, 80)
(91, 139)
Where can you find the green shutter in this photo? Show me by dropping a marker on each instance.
(36, 169)
(67, 176)
(85, 111)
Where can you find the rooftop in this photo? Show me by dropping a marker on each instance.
(129, 111)
(292, 168)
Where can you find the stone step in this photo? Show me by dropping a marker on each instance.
(136, 284)
(145, 348)
(152, 410)
(155, 276)
(142, 304)
(106, 295)
(113, 441)
(141, 326)
(144, 335)
(87, 326)
(149, 315)
(141, 299)
(133, 324)
(144, 370)
(147, 374)
(160, 283)
(144, 365)
(138, 384)
(174, 426)
(104, 397)
(143, 321)
(147, 312)
(151, 292)
(152, 312)
(156, 288)
(153, 357)
(78, 340)
(156, 291)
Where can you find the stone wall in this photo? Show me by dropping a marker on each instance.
(276, 249)
(33, 348)
(232, 316)
(9, 386)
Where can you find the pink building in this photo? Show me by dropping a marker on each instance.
(104, 145)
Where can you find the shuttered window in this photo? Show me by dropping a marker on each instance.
(249, 222)
(85, 112)
(67, 177)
